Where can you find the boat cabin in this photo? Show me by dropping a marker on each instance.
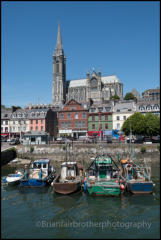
(102, 168)
(69, 170)
(42, 165)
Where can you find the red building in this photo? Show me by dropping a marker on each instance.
(73, 120)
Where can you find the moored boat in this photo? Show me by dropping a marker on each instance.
(70, 178)
(13, 179)
(138, 179)
(103, 177)
(40, 174)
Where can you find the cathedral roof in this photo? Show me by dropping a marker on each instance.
(82, 82)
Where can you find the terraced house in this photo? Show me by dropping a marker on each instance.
(73, 119)
(100, 119)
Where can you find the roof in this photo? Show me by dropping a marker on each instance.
(36, 133)
(42, 161)
(82, 82)
(124, 106)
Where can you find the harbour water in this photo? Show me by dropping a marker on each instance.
(41, 213)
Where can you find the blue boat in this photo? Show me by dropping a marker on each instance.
(138, 178)
(40, 174)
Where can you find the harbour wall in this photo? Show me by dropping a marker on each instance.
(83, 153)
(8, 155)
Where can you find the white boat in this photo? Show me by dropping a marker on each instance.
(14, 178)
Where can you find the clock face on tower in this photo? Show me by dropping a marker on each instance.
(93, 84)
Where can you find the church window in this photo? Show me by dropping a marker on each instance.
(93, 84)
(57, 67)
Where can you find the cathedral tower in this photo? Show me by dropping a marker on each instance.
(59, 73)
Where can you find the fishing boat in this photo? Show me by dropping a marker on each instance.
(39, 174)
(70, 178)
(13, 179)
(138, 178)
(103, 177)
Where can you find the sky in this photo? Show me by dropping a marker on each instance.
(120, 38)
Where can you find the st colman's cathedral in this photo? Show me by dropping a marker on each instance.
(94, 88)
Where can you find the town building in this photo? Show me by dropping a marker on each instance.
(36, 137)
(100, 119)
(121, 111)
(73, 119)
(148, 106)
(151, 95)
(94, 88)
(5, 122)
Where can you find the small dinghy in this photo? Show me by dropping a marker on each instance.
(14, 178)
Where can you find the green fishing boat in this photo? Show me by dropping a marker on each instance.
(103, 177)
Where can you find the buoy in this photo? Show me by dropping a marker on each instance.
(116, 181)
(122, 187)
(121, 180)
(16, 172)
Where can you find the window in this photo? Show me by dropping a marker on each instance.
(36, 121)
(124, 117)
(79, 124)
(107, 109)
(19, 129)
(148, 107)
(106, 117)
(36, 128)
(24, 128)
(13, 129)
(72, 107)
(118, 126)
(24, 122)
(42, 128)
(69, 116)
(76, 124)
(57, 67)
(76, 115)
(84, 124)
(141, 108)
(6, 129)
(106, 125)
(6, 122)
(93, 118)
(62, 116)
(5, 115)
(31, 128)
(100, 117)
(66, 124)
(100, 109)
(31, 121)
(69, 124)
(42, 121)
(156, 107)
(93, 109)
(83, 115)
(93, 126)
(100, 126)
(117, 118)
(1, 129)
(62, 124)
(32, 139)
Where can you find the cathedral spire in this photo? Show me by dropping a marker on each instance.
(59, 43)
(59, 47)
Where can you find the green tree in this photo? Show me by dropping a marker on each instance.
(152, 122)
(114, 97)
(129, 96)
(137, 124)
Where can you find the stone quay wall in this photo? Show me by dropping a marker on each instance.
(83, 153)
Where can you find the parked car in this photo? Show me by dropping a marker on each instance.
(155, 139)
(60, 140)
(14, 142)
(109, 139)
(3, 139)
(88, 140)
(121, 138)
